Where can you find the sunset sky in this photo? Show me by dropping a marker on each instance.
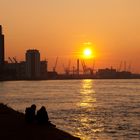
(63, 27)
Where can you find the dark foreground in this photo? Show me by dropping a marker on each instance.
(14, 127)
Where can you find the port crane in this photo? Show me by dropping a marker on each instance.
(67, 69)
(55, 65)
(87, 70)
(124, 66)
(10, 60)
(15, 60)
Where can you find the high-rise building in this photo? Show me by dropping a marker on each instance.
(33, 64)
(1, 48)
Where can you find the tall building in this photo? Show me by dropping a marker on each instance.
(33, 64)
(1, 48)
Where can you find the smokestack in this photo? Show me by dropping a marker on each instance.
(1, 48)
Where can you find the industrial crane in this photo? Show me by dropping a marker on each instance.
(67, 69)
(83, 65)
(87, 70)
(10, 60)
(15, 60)
(54, 68)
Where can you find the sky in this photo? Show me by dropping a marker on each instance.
(62, 27)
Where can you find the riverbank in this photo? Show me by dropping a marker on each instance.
(14, 127)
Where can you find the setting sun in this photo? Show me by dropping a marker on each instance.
(87, 52)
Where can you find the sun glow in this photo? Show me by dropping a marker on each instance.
(87, 52)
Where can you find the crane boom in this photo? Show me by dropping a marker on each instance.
(55, 64)
(10, 59)
(15, 60)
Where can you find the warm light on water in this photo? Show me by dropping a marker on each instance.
(86, 92)
(90, 109)
(88, 102)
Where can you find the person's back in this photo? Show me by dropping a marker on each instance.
(42, 116)
(30, 114)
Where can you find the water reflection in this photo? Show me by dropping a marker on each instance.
(87, 120)
(87, 93)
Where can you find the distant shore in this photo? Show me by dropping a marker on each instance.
(14, 127)
(71, 78)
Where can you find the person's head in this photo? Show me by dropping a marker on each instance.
(43, 108)
(33, 106)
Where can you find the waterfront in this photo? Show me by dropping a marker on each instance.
(90, 109)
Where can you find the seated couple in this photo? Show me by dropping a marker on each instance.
(41, 117)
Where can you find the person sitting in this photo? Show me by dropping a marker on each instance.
(30, 114)
(42, 117)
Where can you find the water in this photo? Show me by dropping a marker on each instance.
(89, 109)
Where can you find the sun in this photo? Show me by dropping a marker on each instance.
(87, 53)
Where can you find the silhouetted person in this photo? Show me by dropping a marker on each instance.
(42, 116)
(30, 114)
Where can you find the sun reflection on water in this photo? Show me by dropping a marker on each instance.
(87, 93)
(87, 121)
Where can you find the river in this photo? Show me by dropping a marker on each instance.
(89, 109)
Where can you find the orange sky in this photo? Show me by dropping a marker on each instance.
(60, 27)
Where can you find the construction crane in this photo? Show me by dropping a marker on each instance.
(10, 60)
(129, 68)
(87, 70)
(83, 65)
(125, 65)
(93, 68)
(54, 68)
(120, 67)
(15, 60)
(67, 69)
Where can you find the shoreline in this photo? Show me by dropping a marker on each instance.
(69, 79)
(14, 127)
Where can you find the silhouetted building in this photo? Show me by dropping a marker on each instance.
(124, 75)
(43, 68)
(1, 48)
(113, 74)
(33, 64)
(21, 70)
(106, 73)
(10, 71)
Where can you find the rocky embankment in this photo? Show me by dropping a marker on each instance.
(14, 127)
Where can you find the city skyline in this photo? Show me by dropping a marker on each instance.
(62, 28)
